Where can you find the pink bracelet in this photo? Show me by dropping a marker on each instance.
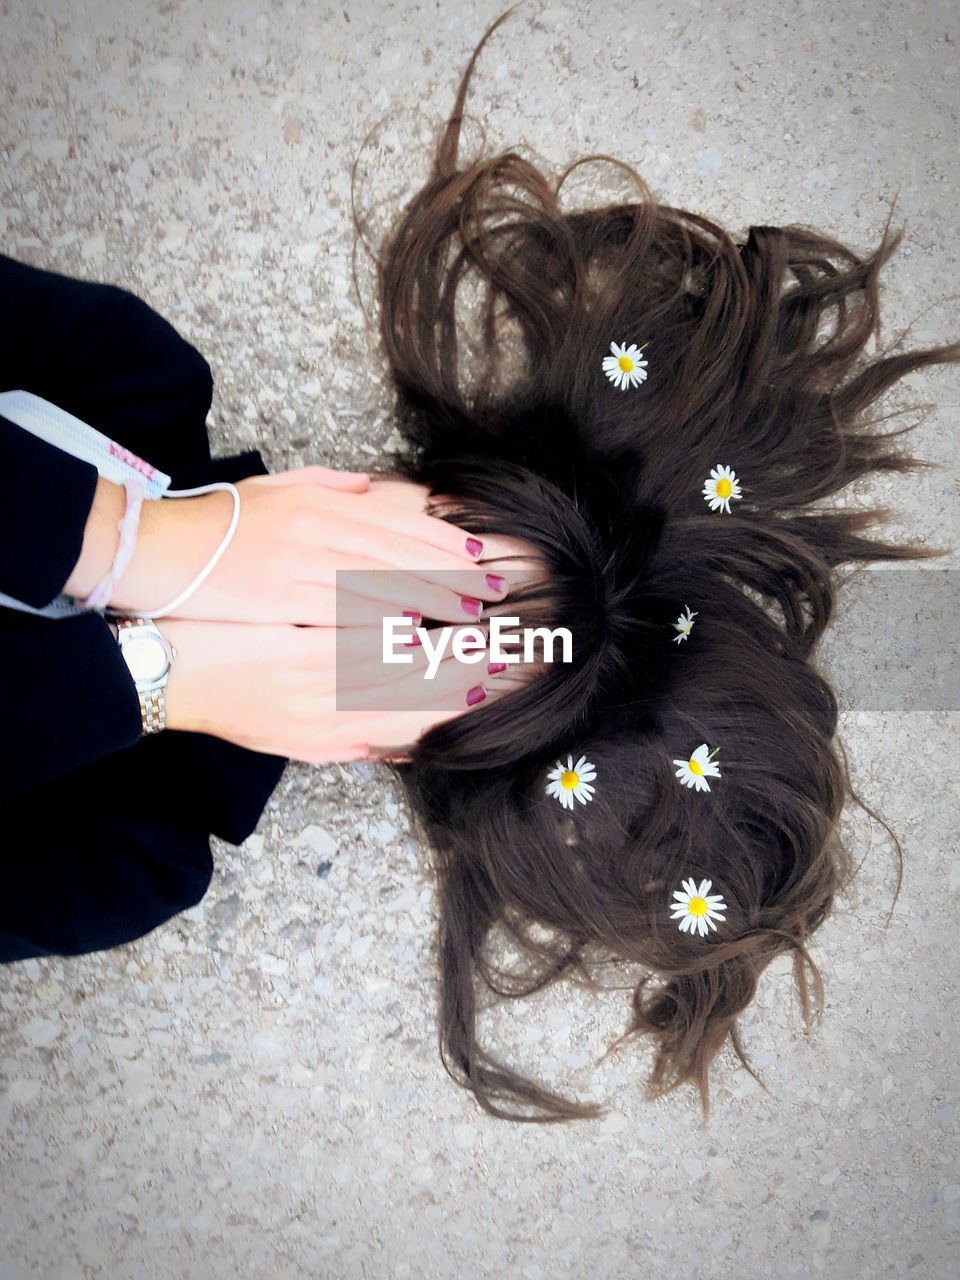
(129, 527)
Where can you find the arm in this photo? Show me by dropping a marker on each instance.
(174, 540)
(79, 344)
(66, 695)
(58, 517)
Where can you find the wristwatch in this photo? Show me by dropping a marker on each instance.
(149, 656)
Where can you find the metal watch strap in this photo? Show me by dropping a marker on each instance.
(153, 711)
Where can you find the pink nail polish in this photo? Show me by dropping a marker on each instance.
(476, 694)
(494, 668)
(411, 613)
(471, 606)
(495, 582)
(474, 547)
(415, 639)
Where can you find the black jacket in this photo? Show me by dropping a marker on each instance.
(105, 834)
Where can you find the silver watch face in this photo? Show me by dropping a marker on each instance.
(146, 657)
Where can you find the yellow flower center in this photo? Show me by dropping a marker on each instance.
(724, 488)
(697, 907)
(569, 779)
(625, 363)
(695, 766)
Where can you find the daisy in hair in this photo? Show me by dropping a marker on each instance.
(695, 910)
(571, 782)
(684, 624)
(721, 486)
(695, 771)
(625, 367)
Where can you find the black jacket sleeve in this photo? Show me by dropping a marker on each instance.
(103, 354)
(45, 501)
(66, 696)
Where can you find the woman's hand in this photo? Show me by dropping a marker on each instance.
(277, 689)
(296, 530)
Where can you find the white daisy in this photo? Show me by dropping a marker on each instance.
(695, 910)
(684, 624)
(572, 782)
(720, 488)
(626, 367)
(695, 771)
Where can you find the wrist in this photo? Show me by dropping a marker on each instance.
(174, 544)
(100, 538)
(184, 690)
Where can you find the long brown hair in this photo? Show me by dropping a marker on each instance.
(607, 486)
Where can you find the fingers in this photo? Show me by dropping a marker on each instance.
(441, 590)
(360, 537)
(312, 605)
(400, 731)
(343, 669)
(346, 707)
(415, 588)
(406, 498)
(514, 560)
(360, 665)
(360, 654)
(377, 595)
(430, 683)
(450, 537)
(360, 662)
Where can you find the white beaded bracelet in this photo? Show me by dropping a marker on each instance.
(129, 527)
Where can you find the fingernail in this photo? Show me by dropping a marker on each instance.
(476, 694)
(414, 640)
(494, 668)
(495, 582)
(474, 547)
(410, 613)
(471, 606)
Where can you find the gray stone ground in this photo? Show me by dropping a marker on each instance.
(254, 1089)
